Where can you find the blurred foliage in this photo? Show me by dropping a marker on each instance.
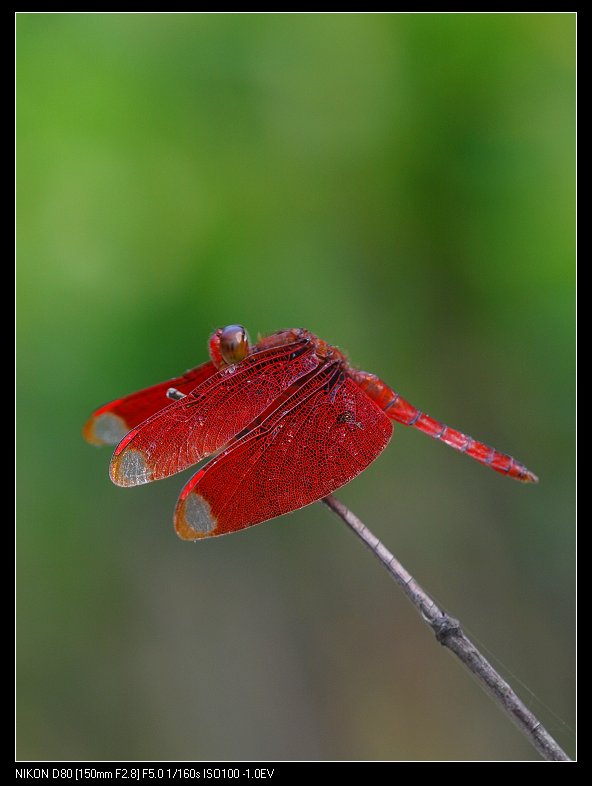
(403, 185)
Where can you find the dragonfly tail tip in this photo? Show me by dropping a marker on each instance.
(530, 477)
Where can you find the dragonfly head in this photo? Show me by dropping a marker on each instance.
(229, 345)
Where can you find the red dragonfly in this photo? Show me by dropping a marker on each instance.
(289, 419)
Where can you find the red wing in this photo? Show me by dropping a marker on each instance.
(109, 424)
(317, 440)
(210, 415)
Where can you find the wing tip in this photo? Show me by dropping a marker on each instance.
(193, 518)
(105, 428)
(129, 468)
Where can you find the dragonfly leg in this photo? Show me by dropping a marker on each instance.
(400, 410)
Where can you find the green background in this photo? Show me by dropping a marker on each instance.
(402, 185)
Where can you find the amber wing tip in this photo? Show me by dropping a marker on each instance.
(105, 428)
(88, 432)
(129, 467)
(193, 518)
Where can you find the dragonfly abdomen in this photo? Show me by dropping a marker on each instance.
(400, 410)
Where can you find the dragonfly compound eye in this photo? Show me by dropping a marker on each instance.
(234, 343)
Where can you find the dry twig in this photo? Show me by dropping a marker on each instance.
(449, 633)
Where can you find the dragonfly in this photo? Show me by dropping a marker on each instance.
(287, 421)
